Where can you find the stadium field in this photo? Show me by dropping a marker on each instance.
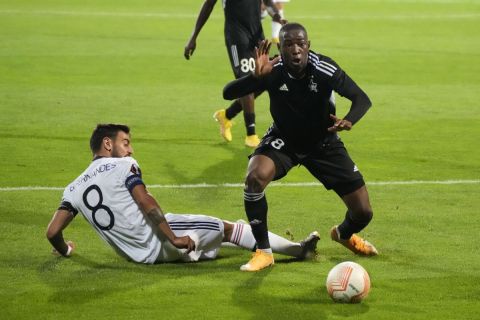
(67, 65)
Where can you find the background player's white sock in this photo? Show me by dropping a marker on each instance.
(276, 27)
(264, 14)
(242, 236)
(284, 246)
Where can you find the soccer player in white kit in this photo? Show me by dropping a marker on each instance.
(112, 197)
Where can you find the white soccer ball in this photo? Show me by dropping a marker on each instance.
(348, 282)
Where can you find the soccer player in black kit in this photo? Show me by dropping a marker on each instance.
(304, 132)
(243, 32)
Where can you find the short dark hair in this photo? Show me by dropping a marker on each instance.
(292, 26)
(105, 130)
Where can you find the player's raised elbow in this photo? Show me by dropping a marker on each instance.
(363, 99)
(368, 102)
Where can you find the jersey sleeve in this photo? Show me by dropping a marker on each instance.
(335, 75)
(132, 175)
(346, 87)
(67, 202)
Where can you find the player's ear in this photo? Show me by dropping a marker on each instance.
(308, 45)
(107, 144)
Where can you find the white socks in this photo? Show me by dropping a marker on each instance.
(276, 27)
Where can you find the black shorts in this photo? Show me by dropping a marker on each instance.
(241, 58)
(329, 162)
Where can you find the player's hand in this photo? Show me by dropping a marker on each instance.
(71, 248)
(263, 64)
(184, 243)
(189, 49)
(278, 18)
(339, 124)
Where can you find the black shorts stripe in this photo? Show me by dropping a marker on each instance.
(182, 223)
(195, 228)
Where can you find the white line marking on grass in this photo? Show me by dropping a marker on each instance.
(273, 184)
(166, 15)
(103, 14)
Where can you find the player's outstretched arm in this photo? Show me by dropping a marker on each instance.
(153, 212)
(360, 105)
(202, 18)
(241, 87)
(54, 234)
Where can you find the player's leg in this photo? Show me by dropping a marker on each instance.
(359, 212)
(240, 234)
(357, 217)
(260, 172)
(275, 25)
(224, 116)
(332, 165)
(263, 11)
(247, 65)
(268, 162)
(248, 105)
(207, 232)
(243, 63)
(224, 120)
(237, 106)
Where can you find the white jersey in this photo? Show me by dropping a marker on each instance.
(102, 194)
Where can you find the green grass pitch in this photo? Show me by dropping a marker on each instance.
(67, 65)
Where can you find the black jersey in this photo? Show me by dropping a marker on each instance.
(242, 21)
(301, 108)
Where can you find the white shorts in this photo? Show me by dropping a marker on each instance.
(207, 233)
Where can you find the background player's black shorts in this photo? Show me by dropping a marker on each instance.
(328, 162)
(241, 58)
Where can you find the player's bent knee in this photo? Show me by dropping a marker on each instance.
(256, 181)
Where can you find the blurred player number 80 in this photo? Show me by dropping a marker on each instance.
(247, 65)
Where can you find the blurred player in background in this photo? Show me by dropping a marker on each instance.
(243, 32)
(300, 84)
(112, 197)
(279, 4)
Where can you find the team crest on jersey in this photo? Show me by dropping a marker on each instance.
(312, 85)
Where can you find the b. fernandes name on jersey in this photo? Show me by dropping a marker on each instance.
(98, 170)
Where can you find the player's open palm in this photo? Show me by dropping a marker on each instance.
(263, 64)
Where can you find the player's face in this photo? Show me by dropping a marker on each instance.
(121, 146)
(294, 46)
